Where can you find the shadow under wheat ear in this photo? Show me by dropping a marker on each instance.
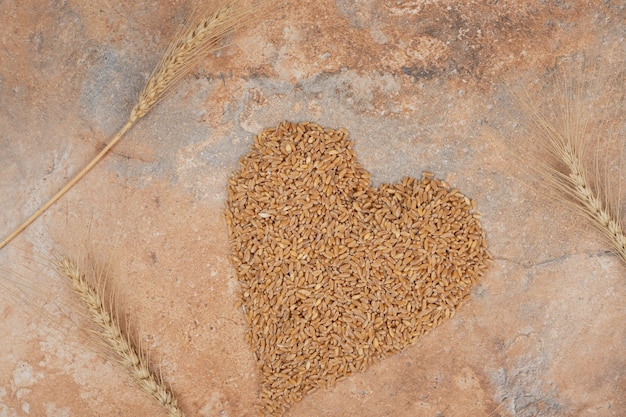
(118, 342)
(564, 133)
(202, 35)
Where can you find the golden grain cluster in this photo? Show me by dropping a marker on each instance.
(336, 274)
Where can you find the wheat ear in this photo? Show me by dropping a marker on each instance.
(130, 356)
(564, 137)
(199, 37)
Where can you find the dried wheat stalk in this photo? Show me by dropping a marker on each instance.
(118, 342)
(564, 134)
(199, 37)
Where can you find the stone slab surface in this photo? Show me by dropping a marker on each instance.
(421, 85)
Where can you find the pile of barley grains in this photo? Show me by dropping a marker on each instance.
(336, 274)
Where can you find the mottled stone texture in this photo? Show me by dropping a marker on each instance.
(420, 85)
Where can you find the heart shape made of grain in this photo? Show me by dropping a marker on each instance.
(336, 274)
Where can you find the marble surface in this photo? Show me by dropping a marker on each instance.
(421, 85)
